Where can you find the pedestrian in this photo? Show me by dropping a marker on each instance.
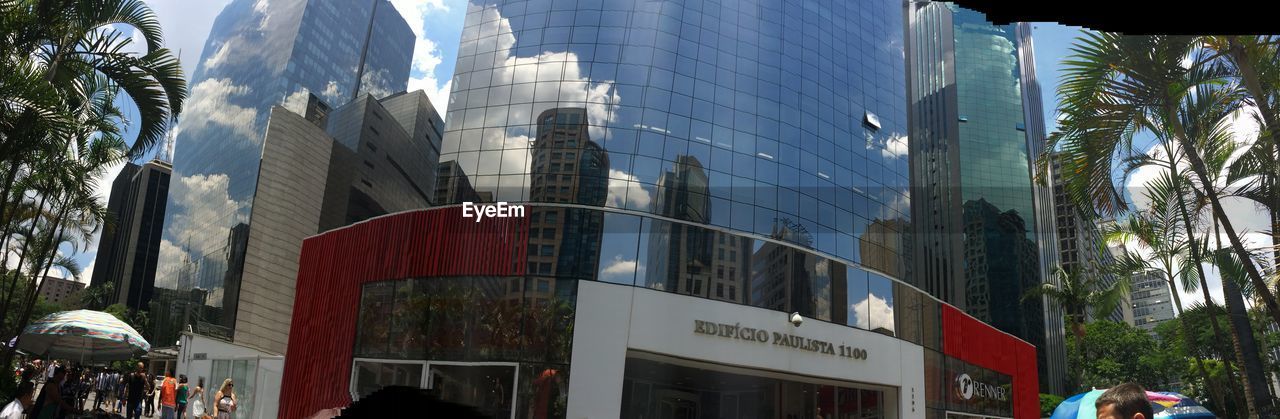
(136, 390)
(181, 397)
(51, 404)
(168, 396)
(224, 401)
(70, 386)
(197, 400)
(122, 384)
(22, 401)
(103, 389)
(86, 383)
(1125, 401)
(49, 370)
(149, 402)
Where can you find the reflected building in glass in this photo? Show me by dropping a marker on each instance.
(258, 55)
(984, 233)
(693, 172)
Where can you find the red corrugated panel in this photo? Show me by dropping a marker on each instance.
(975, 342)
(334, 265)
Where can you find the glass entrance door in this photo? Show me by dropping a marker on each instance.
(674, 404)
(657, 389)
(490, 387)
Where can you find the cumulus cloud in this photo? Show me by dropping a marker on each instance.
(619, 268)
(210, 107)
(219, 56)
(1248, 219)
(625, 191)
(881, 314)
(202, 199)
(261, 7)
(895, 146)
(169, 262)
(332, 93)
(426, 55)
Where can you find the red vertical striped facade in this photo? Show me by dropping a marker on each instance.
(969, 340)
(334, 265)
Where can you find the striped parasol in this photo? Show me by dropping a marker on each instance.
(85, 335)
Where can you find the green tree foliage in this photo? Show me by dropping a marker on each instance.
(1119, 353)
(69, 68)
(1048, 402)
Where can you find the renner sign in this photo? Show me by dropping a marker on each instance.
(967, 388)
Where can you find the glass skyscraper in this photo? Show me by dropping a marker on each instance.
(259, 54)
(984, 232)
(792, 117)
(692, 175)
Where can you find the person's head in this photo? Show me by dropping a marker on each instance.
(182, 378)
(169, 373)
(200, 382)
(59, 372)
(228, 387)
(25, 392)
(141, 367)
(1125, 401)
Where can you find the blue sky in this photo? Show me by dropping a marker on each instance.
(1052, 43)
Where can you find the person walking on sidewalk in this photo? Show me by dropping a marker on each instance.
(182, 396)
(149, 402)
(104, 386)
(135, 391)
(168, 396)
(197, 400)
(224, 401)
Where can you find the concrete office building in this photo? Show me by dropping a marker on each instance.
(220, 270)
(259, 55)
(984, 233)
(1081, 247)
(60, 291)
(690, 175)
(129, 248)
(1150, 300)
(321, 169)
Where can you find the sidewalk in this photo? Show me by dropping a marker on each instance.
(88, 403)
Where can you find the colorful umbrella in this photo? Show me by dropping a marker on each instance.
(1173, 405)
(1166, 405)
(83, 335)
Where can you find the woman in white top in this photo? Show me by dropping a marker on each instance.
(224, 401)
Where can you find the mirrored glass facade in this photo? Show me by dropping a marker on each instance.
(768, 118)
(985, 230)
(259, 54)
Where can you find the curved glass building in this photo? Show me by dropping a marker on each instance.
(681, 180)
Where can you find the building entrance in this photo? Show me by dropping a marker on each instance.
(655, 387)
(954, 415)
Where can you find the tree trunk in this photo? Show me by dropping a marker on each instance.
(1202, 174)
(1256, 393)
(4, 308)
(10, 176)
(1198, 258)
(34, 295)
(1214, 392)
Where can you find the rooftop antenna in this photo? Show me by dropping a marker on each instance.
(166, 153)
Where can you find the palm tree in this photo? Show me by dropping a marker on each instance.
(1166, 252)
(1204, 115)
(99, 296)
(1093, 291)
(1117, 86)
